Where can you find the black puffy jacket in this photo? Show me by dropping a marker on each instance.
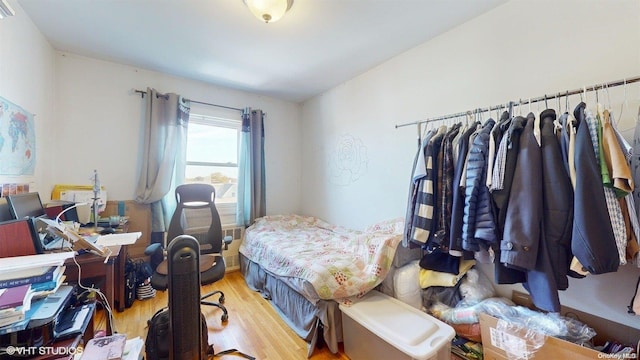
(478, 221)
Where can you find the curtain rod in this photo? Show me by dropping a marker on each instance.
(528, 101)
(143, 93)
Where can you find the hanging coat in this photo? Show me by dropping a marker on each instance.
(457, 211)
(557, 202)
(510, 144)
(592, 241)
(478, 221)
(552, 263)
(523, 223)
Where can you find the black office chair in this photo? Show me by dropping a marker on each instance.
(212, 267)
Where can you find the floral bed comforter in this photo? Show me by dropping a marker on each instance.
(338, 262)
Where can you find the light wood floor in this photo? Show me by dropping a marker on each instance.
(254, 327)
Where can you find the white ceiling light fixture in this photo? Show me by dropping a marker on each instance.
(269, 10)
(5, 9)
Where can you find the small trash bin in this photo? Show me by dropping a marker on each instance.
(379, 326)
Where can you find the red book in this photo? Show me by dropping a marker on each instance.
(14, 297)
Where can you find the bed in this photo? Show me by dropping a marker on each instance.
(307, 268)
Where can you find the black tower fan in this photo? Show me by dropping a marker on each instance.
(184, 299)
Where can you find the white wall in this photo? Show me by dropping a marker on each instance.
(519, 50)
(87, 117)
(101, 120)
(27, 79)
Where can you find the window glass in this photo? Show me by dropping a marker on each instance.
(212, 158)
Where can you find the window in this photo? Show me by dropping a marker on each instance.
(212, 158)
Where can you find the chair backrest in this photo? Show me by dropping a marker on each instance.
(17, 238)
(197, 196)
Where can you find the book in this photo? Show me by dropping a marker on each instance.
(105, 348)
(50, 274)
(10, 312)
(15, 296)
(47, 285)
(22, 273)
(22, 324)
(4, 321)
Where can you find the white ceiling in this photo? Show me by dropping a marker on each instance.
(316, 46)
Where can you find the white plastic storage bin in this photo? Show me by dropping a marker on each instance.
(381, 327)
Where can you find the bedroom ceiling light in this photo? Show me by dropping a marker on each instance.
(5, 9)
(269, 10)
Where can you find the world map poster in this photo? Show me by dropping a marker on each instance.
(17, 140)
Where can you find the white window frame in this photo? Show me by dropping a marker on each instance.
(227, 211)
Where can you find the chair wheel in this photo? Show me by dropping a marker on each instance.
(225, 318)
(221, 300)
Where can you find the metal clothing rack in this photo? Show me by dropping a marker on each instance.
(545, 98)
(143, 93)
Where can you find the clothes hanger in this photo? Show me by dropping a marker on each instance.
(469, 118)
(520, 107)
(599, 107)
(608, 111)
(624, 102)
(557, 125)
(546, 105)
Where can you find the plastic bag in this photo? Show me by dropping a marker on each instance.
(469, 314)
(535, 326)
(476, 287)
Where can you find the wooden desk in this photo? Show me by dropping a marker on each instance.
(93, 267)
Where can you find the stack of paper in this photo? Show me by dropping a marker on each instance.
(105, 348)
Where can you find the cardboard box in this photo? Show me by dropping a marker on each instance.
(139, 220)
(496, 343)
(503, 345)
(605, 328)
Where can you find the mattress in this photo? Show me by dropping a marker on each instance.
(323, 261)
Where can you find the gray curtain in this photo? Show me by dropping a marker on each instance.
(251, 169)
(166, 121)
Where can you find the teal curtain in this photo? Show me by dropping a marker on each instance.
(251, 169)
(165, 138)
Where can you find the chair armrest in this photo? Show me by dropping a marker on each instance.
(152, 249)
(227, 240)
